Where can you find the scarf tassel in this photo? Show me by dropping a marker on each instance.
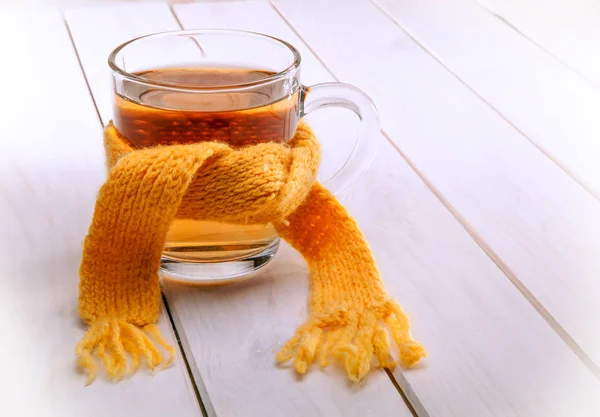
(115, 340)
(353, 339)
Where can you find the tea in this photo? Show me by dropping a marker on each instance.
(165, 116)
(160, 116)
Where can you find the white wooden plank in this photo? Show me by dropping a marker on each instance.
(535, 218)
(483, 336)
(552, 105)
(51, 167)
(569, 30)
(225, 371)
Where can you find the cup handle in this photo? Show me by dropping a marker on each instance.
(367, 141)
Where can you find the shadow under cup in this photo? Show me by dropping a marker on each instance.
(240, 88)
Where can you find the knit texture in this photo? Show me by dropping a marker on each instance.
(351, 315)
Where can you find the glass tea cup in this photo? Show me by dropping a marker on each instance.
(238, 87)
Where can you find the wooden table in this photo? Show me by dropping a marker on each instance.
(482, 209)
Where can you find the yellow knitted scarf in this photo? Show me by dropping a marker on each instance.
(119, 292)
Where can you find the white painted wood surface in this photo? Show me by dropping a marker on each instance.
(419, 248)
(51, 167)
(231, 17)
(491, 352)
(531, 217)
(568, 30)
(549, 103)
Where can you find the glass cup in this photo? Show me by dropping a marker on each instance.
(237, 87)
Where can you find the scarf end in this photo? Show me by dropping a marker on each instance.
(354, 340)
(115, 340)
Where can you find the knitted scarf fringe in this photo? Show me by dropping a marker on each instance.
(114, 340)
(353, 339)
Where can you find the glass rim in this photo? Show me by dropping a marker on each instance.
(116, 69)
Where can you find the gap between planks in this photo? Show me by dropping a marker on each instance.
(182, 28)
(504, 268)
(177, 19)
(205, 406)
(87, 83)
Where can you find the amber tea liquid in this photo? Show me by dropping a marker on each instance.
(159, 116)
